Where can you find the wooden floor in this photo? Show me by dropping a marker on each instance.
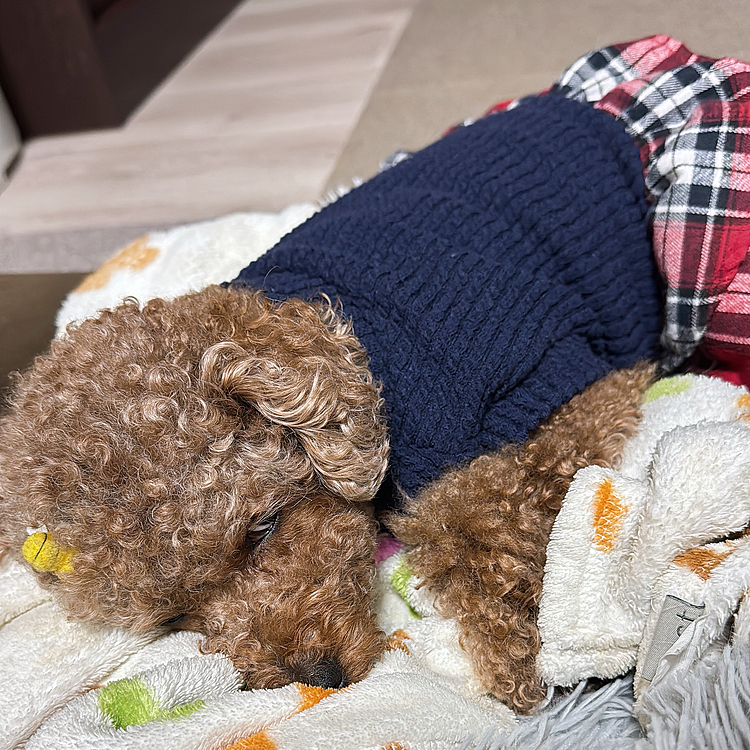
(255, 119)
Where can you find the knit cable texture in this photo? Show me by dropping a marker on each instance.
(490, 277)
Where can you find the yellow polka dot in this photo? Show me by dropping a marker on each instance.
(743, 404)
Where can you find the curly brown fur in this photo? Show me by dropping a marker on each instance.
(210, 457)
(480, 533)
(165, 444)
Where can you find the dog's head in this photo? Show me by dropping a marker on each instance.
(206, 459)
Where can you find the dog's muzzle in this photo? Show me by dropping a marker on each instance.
(325, 672)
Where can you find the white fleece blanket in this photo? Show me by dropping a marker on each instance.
(180, 260)
(68, 684)
(647, 565)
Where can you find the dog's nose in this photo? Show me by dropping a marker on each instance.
(325, 672)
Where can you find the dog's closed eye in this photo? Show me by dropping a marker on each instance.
(260, 531)
(172, 620)
(255, 535)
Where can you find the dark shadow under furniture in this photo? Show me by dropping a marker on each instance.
(28, 305)
(70, 65)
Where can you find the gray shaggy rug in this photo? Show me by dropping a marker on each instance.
(707, 708)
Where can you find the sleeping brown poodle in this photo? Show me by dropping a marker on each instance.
(151, 443)
(193, 479)
(212, 459)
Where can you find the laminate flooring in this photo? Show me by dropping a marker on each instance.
(255, 119)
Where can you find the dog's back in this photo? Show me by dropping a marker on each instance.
(490, 277)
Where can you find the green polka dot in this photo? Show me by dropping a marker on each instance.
(667, 387)
(399, 579)
(130, 702)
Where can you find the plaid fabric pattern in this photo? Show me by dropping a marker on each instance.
(690, 117)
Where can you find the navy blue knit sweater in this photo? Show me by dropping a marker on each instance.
(490, 277)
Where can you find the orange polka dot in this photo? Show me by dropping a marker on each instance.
(259, 741)
(135, 256)
(609, 513)
(311, 695)
(397, 641)
(701, 561)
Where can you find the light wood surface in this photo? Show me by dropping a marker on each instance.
(255, 119)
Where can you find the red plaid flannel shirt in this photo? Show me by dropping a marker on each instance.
(690, 117)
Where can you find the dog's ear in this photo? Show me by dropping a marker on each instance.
(323, 394)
